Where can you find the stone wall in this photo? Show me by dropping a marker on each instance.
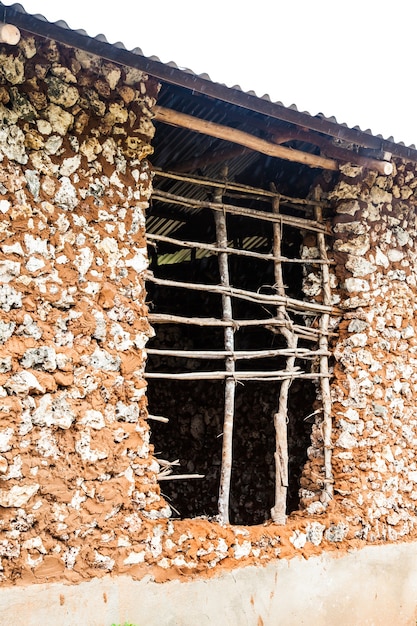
(79, 495)
(74, 185)
(375, 386)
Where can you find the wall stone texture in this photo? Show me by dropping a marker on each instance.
(374, 385)
(374, 390)
(79, 495)
(74, 185)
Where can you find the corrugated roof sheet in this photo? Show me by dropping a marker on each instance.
(38, 24)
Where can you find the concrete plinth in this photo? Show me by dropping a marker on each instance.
(373, 586)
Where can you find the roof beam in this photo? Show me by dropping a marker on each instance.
(328, 149)
(200, 84)
(174, 118)
(182, 120)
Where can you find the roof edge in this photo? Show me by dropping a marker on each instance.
(37, 25)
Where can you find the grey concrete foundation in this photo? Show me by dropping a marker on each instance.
(373, 586)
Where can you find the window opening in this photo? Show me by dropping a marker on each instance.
(239, 360)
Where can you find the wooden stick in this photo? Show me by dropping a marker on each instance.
(304, 332)
(178, 476)
(230, 383)
(167, 318)
(168, 116)
(235, 251)
(301, 353)
(158, 418)
(324, 370)
(209, 246)
(297, 222)
(232, 186)
(249, 375)
(251, 296)
(279, 510)
(168, 464)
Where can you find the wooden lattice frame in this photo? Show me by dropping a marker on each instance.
(282, 322)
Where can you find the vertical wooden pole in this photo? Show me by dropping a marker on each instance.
(278, 512)
(324, 364)
(230, 384)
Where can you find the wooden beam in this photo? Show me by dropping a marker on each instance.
(174, 118)
(274, 149)
(376, 159)
(330, 150)
(9, 34)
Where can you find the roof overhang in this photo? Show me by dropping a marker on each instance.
(171, 74)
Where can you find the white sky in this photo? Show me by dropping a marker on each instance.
(354, 59)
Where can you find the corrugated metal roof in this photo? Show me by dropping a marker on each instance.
(172, 73)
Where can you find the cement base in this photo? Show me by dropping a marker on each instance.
(374, 586)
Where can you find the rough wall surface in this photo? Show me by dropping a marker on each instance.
(375, 386)
(74, 183)
(79, 495)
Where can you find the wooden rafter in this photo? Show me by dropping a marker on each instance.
(226, 133)
(174, 118)
(329, 149)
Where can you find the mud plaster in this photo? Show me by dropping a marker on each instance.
(79, 496)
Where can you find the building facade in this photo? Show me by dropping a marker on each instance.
(325, 435)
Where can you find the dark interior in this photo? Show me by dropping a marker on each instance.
(195, 408)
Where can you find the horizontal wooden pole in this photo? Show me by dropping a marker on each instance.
(289, 220)
(331, 150)
(197, 245)
(178, 476)
(302, 353)
(174, 118)
(158, 418)
(220, 375)
(251, 296)
(227, 185)
(306, 332)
